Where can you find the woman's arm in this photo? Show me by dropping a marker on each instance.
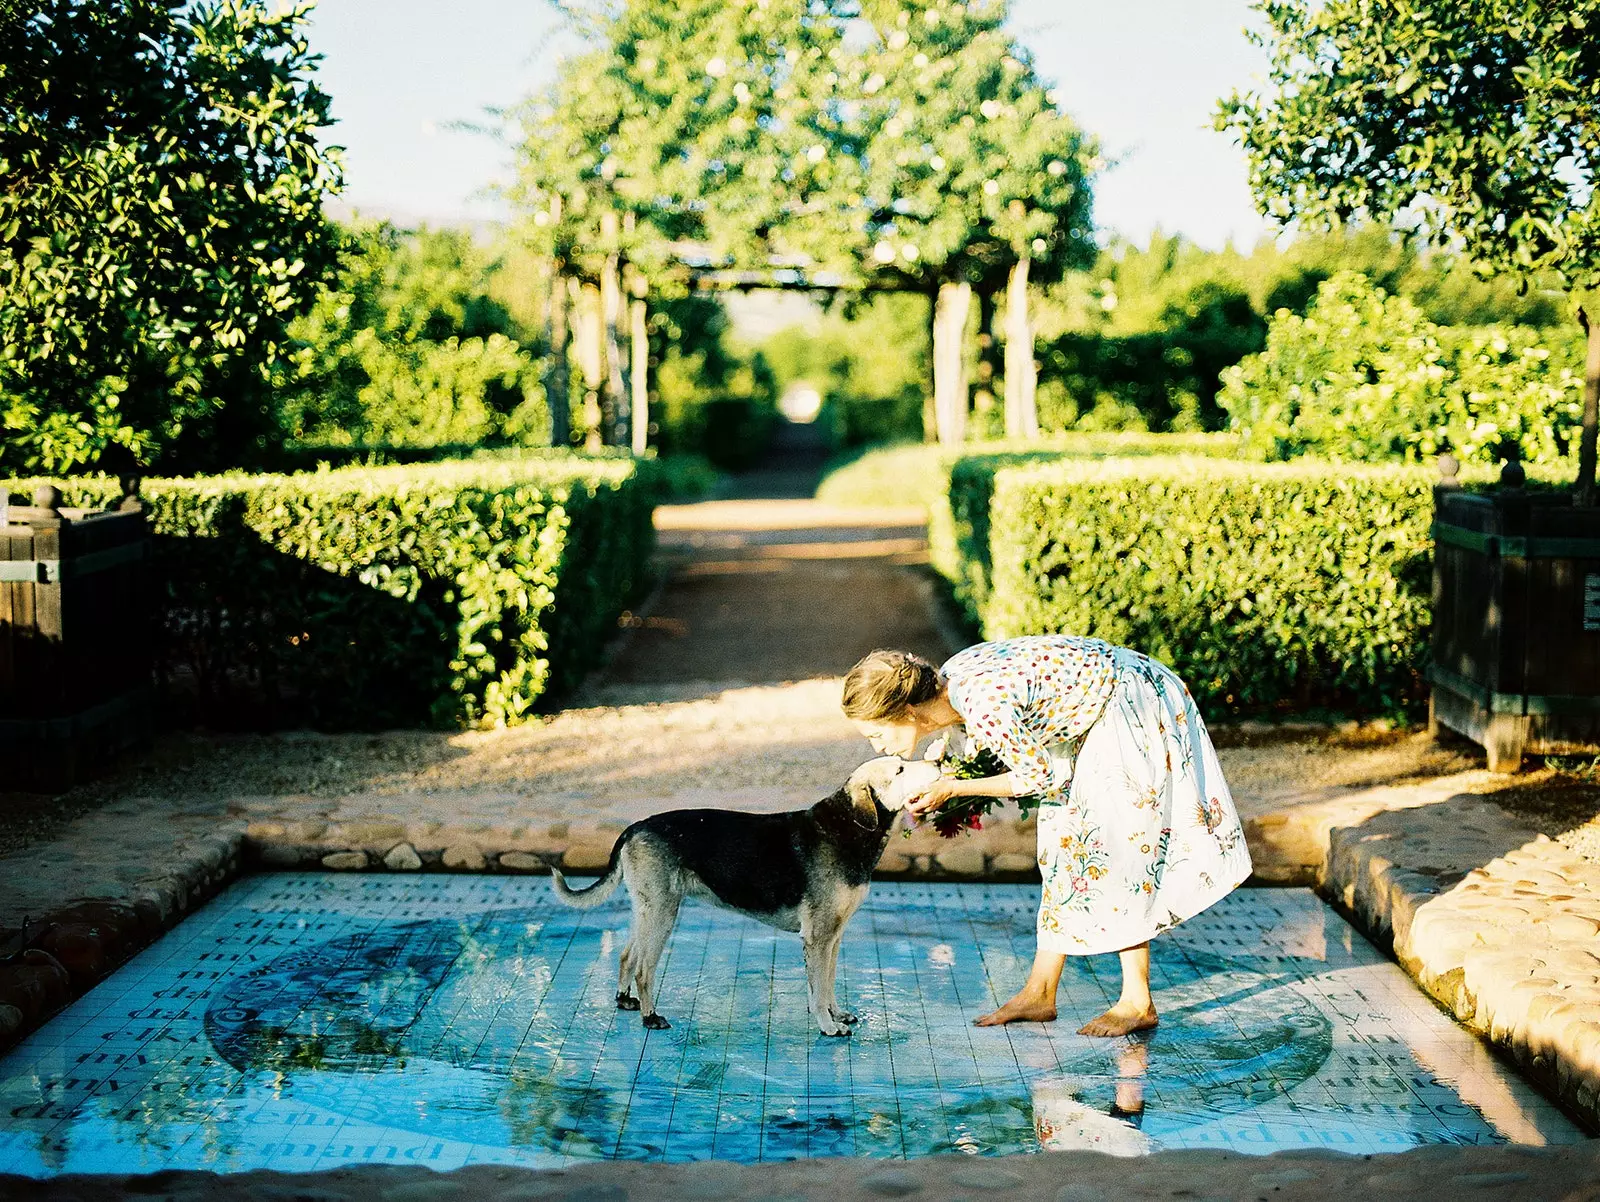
(946, 787)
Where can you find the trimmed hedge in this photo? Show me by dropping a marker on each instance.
(446, 594)
(918, 473)
(1266, 587)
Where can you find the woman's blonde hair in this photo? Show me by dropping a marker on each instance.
(883, 684)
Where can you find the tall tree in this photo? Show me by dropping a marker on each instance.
(976, 179)
(160, 225)
(1477, 122)
(698, 121)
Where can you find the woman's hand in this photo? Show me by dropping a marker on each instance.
(935, 795)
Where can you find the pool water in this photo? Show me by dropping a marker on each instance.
(305, 1021)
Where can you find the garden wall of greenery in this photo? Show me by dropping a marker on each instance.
(450, 594)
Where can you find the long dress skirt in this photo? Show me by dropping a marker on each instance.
(1146, 835)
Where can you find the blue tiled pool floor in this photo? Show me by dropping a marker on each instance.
(307, 1021)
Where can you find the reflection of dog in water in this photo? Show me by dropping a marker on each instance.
(1062, 1121)
(801, 870)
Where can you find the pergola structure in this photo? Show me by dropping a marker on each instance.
(617, 385)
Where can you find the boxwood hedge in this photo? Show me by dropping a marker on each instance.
(445, 594)
(1267, 587)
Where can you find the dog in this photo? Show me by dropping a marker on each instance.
(805, 871)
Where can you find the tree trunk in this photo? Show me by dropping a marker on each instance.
(930, 417)
(1022, 411)
(986, 388)
(640, 375)
(1584, 492)
(591, 359)
(557, 377)
(950, 312)
(616, 383)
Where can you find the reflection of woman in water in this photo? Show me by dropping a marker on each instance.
(1137, 831)
(1062, 1121)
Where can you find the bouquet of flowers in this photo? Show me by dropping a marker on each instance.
(966, 813)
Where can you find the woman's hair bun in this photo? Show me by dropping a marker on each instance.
(883, 684)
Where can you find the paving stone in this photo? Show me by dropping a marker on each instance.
(465, 857)
(1077, 1191)
(1013, 862)
(345, 861)
(595, 1193)
(1279, 1178)
(892, 1183)
(984, 1176)
(894, 862)
(967, 860)
(521, 861)
(1488, 1180)
(402, 857)
(585, 856)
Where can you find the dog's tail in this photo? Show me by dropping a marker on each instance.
(596, 894)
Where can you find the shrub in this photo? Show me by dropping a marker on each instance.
(918, 473)
(1265, 587)
(450, 594)
(1365, 376)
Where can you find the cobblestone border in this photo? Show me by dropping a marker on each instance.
(1507, 1174)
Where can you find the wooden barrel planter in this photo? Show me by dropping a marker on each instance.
(1516, 620)
(75, 676)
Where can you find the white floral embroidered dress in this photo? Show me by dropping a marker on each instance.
(1138, 831)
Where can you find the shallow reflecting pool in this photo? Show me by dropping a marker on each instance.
(306, 1021)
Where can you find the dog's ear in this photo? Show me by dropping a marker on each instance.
(863, 803)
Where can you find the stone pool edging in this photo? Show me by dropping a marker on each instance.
(1501, 926)
(1513, 1173)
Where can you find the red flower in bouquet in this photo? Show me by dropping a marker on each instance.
(966, 813)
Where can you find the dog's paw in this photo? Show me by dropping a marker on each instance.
(833, 1029)
(626, 1001)
(843, 1016)
(654, 1022)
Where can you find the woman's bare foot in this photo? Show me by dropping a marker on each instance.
(1026, 1007)
(1122, 1019)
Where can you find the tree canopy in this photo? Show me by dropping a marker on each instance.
(1476, 122)
(160, 225)
(898, 141)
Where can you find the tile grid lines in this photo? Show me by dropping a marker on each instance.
(943, 1066)
(544, 997)
(327, 1155)
(1237, 975)
(923, 1024)
(890, 1015)
(474, 1057)
(963, 1018)
(684, 1060)
(148, 959)
(1318, 984)
(650, 1038)
(600, 966)
(1011, 1036)
(727, 1040)
(1217, 1000)
(767, 1066)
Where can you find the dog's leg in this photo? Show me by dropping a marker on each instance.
(831, 960)
(656, 915)
(626, 998)
(848, 906)
(819, 931)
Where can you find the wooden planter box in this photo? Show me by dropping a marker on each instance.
(1516, 623)
(75, 682)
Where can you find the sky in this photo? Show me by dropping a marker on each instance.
(1144, 76)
